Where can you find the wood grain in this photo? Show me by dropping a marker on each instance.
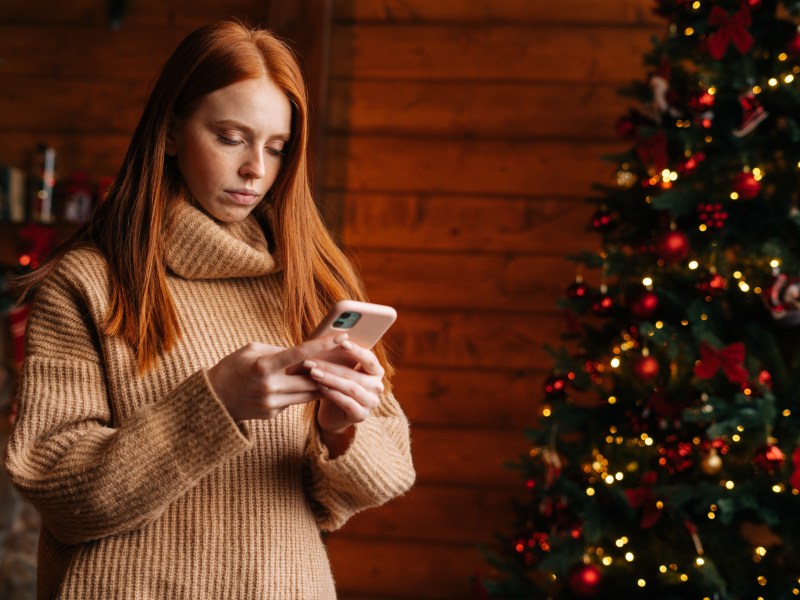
(489, 53)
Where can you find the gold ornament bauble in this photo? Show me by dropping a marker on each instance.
(712, 463)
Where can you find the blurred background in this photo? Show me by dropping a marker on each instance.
(454, 143)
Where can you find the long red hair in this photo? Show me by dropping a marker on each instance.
(129, 227)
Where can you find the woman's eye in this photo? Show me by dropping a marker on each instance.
(275, 151)
(228, 141)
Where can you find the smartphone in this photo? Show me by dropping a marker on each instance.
(363, 322)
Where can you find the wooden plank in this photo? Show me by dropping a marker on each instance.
(438, 397)
(368, 568)
(380, 164)
(71, 106)
(98, 154)
(466, 223)
(142, 13)
(466, 108)
(474, 281)
(85, 53)
(433, 513)
(632, 12)
(481, 339)
(472, 457)
(490, 53)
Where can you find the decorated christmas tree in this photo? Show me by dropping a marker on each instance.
(666, 462)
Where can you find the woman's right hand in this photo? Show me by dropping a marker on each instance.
(253, 382)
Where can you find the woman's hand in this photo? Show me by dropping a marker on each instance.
(349, 394)
(253, 383)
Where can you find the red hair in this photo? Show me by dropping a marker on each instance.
(130, 226)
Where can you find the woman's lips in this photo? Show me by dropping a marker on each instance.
(243, 197)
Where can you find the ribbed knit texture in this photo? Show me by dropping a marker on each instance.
(147, 488)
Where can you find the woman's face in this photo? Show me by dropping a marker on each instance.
(230, 149)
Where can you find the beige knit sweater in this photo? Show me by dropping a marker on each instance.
(147, 487)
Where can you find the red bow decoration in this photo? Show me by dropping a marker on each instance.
(732, 28)
(645, 499)
(794, 479)
(653, 150)
(729, 359)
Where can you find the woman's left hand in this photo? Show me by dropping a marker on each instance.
(349, 394)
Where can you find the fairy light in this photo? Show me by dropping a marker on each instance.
(743, 285)
(684, 577)
(762, 581)
(546, 411)
(757, 173)
(783, 56)
(775, 263)
(615, 362)
(757, 89)
(607, 560)
(641, 583)
(736, 437)
(788, 78)
(612, 400)
(787, 413)
(693, 264)
(688, 31)
(699, 561)
(734, 196)
(772, 82)
(729, 485)
(621, 542)
(737, 274)
(590, 491)
(696, 5)
(702, 227)
(629, 556)
(647, 281)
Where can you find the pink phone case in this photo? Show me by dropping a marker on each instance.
(363, 322)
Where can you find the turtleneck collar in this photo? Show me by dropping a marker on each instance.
(200, 248)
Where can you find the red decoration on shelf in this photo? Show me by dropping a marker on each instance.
(673, 246)
(769, 458)
(646, 368)
(644, 305)
(730, 359)
(746, 185)
(731, 29)
(584, 581)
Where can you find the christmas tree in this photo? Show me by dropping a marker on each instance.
(666, 462)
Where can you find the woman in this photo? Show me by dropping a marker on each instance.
(177, 435)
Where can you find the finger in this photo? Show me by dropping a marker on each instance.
(279, 402)
(300, 352)
(372, 383)
(347, 386)
(367, 360)
(354, 411)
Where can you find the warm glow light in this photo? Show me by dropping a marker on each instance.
(693, 264)
(775, 263)
(612, 399)
(761, 551)
(789, 78)
(772, 82)
(615, 362)
(641, 583)
(684, 577)
(696, 5)
(783, 56)
(736, 437)
(590, 491)
(743, 286)
(737, 274)
(699, 561)
(647, 281)
(729, 485)
(629, 556)
(607, 561)
(688, 31)
(734, 196)
(757, 89)
(702, 227)
(546, 412)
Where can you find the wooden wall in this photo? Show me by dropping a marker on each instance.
(462, 137)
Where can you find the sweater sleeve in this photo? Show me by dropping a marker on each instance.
(87, 477)
(375, 468)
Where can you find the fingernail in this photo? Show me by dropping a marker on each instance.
(309, 364)
(317, 374)
(347, 345)
(340, 338)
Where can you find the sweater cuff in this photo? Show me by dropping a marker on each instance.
(206, 434)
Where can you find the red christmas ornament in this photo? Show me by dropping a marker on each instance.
(793, 45)
(644, 305)
(584, 581)
(626, 127)
(691, 163)
(746, 185)
(765, 379)
(645, 368)
(769, 458)
(676, 456)
(673, 246)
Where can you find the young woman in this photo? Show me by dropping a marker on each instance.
(178, 436)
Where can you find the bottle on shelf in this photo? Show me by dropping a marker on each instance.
(42, 182)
